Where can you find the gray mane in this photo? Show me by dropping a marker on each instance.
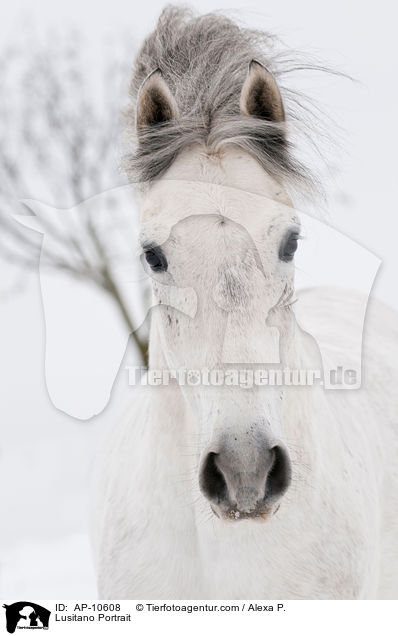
(205, 61)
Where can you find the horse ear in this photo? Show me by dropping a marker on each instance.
(260, 96)
(155, 103)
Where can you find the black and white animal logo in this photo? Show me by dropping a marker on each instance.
(26, 615)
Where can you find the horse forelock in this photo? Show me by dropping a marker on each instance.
(204, 60)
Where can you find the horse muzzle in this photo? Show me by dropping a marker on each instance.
(245, 481)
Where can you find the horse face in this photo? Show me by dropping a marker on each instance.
(235, 251)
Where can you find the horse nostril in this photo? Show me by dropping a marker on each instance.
(212, 481)
(279, 475)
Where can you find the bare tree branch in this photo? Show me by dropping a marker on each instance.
(59, 140)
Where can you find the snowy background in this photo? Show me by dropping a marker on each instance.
(47, 457)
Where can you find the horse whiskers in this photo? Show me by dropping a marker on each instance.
(286, 299)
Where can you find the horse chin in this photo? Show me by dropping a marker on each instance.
(260, 514)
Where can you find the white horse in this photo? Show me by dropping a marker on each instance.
(221, 491)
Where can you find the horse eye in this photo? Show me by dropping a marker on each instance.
(288, 247)
(156, 259)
